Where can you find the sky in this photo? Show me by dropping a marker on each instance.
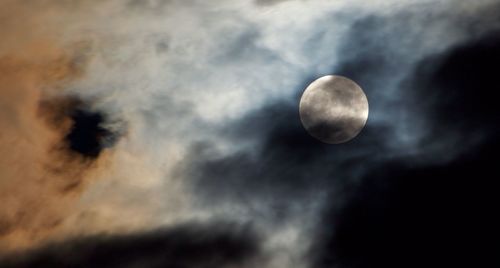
(166, 133)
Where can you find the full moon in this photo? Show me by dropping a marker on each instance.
(333, 109)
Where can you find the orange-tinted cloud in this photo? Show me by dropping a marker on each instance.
(40, 178)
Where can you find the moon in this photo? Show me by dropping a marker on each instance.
(333, 109)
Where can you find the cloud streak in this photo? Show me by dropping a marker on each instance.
(191, 245)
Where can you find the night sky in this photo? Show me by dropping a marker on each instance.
(167, 134)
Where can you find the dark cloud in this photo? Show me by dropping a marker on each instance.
(286, 162)
(462, 88)
(88, 136)
(285, 166)
(405, 216)
(245, 174)
(426, 204)
(87, 131)
(185, 246)
(438, 213)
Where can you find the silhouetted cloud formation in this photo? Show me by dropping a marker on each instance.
(186, 246)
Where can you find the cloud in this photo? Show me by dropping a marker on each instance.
(41, 176)
(187, 245)
(271, 155)
(275, 171)
(268, 2)
(402, 215)
(204, 99)
(433, 210)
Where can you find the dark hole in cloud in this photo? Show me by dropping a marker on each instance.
(185, 246)
(86, 131)
(88, 135)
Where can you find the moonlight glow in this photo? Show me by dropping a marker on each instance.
(333, 109)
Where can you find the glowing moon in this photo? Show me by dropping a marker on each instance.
(333, 109)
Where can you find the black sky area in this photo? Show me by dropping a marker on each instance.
(88, 135)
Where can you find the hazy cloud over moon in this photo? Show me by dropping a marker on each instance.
(168, 133)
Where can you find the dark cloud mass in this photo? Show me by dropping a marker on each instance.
(87, 135)
(463, 88)
(406, 216)
(186, 246)
(437, 214)
(87, 131)
(429, 202)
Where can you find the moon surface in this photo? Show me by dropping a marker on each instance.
(333, 109)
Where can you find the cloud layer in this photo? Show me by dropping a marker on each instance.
(140, 126)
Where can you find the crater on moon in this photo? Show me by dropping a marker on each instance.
(333, 109)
